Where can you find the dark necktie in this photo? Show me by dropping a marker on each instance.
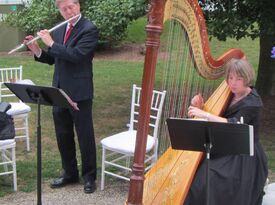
(68, 32)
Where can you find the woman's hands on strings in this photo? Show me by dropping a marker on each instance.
(197, 101)
(195, 109)
(196, 112)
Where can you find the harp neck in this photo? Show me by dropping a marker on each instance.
(190, 16)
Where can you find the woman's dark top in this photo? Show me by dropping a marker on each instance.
(250, 108)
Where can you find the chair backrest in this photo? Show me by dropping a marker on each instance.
(9, 75)
(155, 113)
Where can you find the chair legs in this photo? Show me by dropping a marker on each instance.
(14, 169)
(103, 168)
(22, 129)
(26, 123)
(113, 160)
(4, 158)
(8, 158)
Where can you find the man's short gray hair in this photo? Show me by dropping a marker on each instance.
(57, 2)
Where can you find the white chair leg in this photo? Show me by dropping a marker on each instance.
(127, 164)
(103, 168)
(26, 124)
(155, 156)
(9, 160)
(4, 159)
(23, 130)
(14, 169)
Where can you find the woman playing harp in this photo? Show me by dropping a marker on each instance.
(234, 179)
(189, 69)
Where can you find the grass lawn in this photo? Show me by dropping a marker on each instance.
(113, 81)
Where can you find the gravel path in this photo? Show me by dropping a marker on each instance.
(114, 194)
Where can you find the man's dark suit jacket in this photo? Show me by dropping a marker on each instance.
(73, 60)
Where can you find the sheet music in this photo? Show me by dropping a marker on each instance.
(183, 118)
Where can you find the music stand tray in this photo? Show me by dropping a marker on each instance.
(211, 138)
(41, 95)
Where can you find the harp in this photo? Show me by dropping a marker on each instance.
(169, 180)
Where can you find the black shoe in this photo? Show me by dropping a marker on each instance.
(61, 182)
(89, 187)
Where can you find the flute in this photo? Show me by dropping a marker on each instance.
(38, 37)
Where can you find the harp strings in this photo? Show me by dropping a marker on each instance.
(181, 81)
(179, 78)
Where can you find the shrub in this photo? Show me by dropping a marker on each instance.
(113, 16)
(110, 16)
(38, 15)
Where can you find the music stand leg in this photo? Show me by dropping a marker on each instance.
(39, 201)
(40, 95)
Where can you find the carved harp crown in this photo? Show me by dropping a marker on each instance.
(165, 183)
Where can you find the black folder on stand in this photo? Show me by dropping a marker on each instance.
(50, 96)
(226, 138)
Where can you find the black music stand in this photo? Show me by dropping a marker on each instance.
(211, 138)
(41, 95)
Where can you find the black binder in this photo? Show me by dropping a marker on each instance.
(226, 138)
(50, 96)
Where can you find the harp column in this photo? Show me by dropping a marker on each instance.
(154, 29)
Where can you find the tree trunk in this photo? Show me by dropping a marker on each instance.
(265, 83)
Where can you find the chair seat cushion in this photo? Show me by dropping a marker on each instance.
(4, 143)
(25, 81)
(18, 108)
(270, 189)
(269, 196)
(124, 142)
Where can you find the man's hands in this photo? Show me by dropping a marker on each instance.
(34, 47)
(46, 37)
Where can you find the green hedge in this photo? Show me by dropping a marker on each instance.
(110, 16)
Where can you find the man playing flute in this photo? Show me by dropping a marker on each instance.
(71, 49)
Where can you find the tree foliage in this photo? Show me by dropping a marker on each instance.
(38, 15)
(110, 16)
(113, 16)
(239, 18)
(246, 18)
